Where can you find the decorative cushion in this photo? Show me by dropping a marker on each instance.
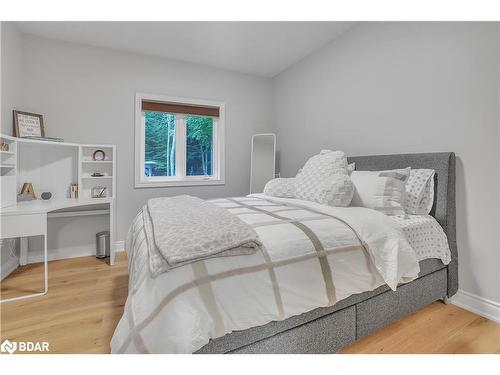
(351, 167)
(316, 170)
(383, 191)
(281, 187)
(419, 191)
(427, 200)
(336, 190)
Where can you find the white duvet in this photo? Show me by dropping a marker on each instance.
(313, 256)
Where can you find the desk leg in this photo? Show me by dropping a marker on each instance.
(45, 265)
(112, 250)
(45, 273)
(23, 251)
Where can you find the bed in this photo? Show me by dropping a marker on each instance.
(301, 329)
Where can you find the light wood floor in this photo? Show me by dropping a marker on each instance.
(86, 299)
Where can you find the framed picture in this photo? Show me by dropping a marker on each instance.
(28, 124)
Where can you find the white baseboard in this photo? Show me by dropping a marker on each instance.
(57, 254)
(63, 253)
(478, 305)
(9, 265)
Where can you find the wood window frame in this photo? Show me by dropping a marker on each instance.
(218, 175)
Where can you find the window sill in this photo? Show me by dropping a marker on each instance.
(174, 183)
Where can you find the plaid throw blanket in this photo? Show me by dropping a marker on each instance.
(312, 256)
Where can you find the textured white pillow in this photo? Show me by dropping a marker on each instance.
(336, 190)
(419, 192)
(316, 170)
(350, 168)
(281, 187)
(383, 191)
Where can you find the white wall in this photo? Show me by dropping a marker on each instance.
(10, 67)
(87, 95)
(11, 54)
(408, 87)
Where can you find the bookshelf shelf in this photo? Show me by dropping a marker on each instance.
(96, 178)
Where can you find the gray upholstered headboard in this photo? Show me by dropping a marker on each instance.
(444, 192)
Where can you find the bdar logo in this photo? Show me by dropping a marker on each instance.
(8, 347)
(24, 346)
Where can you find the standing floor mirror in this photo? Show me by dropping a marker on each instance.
(262, 161)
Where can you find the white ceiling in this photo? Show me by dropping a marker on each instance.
(261, 48)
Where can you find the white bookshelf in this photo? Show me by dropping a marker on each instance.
(52, 167)
(8, 172)
(88, 166)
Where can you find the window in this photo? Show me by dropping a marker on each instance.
(179, 142)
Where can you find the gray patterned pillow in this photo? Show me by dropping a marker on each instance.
(316, 170)
(427, 200)
(281, 187)
(419, 191)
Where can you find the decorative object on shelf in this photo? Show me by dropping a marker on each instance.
(99, 155)
(4, 146)
(99, 192)
(73, 191)
(46, 195)
(97, 174)
(28, 124)
(27, 192)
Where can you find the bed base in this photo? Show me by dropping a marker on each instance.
(332, 332)
(327, 330)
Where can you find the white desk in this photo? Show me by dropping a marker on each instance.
(26, 219)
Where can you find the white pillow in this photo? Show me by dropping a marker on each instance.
(336, 190)
(383, 191)
(281, 187)
(316, 170)
(419, 191)
(350, 167)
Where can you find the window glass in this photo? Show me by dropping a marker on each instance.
(159, 148)
(199, 145)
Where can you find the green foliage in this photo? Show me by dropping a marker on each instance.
(199, 132)
(160, 144)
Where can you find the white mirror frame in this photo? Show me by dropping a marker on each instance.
(251, 155)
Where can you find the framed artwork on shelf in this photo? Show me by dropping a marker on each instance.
(28, 124)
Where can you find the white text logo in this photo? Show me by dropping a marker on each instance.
(24, 346)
